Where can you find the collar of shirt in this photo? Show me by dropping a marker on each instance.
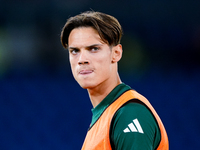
(109, 99)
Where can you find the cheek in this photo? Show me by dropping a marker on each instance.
(104, 65)
(73, 66)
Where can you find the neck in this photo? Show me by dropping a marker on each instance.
(98, 93)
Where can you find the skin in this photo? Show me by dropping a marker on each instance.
(93, 63)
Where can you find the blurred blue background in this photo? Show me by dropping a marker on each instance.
(41, 105)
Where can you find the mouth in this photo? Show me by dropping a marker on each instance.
(85, 72)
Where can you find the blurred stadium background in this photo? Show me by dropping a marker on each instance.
(43, 108)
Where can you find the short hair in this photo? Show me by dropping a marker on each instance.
(107, 26)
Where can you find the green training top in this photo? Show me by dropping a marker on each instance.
(133, 126)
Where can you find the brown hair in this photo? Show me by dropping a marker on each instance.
(108, 27)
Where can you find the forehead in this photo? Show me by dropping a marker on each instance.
(84, 36)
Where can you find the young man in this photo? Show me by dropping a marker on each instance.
(122, 118)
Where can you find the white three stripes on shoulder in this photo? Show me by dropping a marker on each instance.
(134, 127)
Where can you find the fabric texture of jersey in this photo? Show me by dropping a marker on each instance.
(100, 134)
(134, 127)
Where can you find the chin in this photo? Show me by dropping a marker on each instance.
(84, 87)
(87, 86)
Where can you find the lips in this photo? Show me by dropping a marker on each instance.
(85, 72)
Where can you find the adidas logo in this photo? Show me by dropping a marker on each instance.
(134, 127)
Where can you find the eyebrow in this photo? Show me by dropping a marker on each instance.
(93, 45)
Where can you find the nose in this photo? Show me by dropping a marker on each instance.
(83, 58)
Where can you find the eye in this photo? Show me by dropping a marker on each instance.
(74, 51)
(94, 49)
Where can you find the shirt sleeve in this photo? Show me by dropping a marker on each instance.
(134, 128)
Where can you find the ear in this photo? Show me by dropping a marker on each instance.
(116, 53)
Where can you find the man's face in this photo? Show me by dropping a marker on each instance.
(90, 58)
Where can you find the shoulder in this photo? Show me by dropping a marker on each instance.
(134, 111)
(136, 119)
